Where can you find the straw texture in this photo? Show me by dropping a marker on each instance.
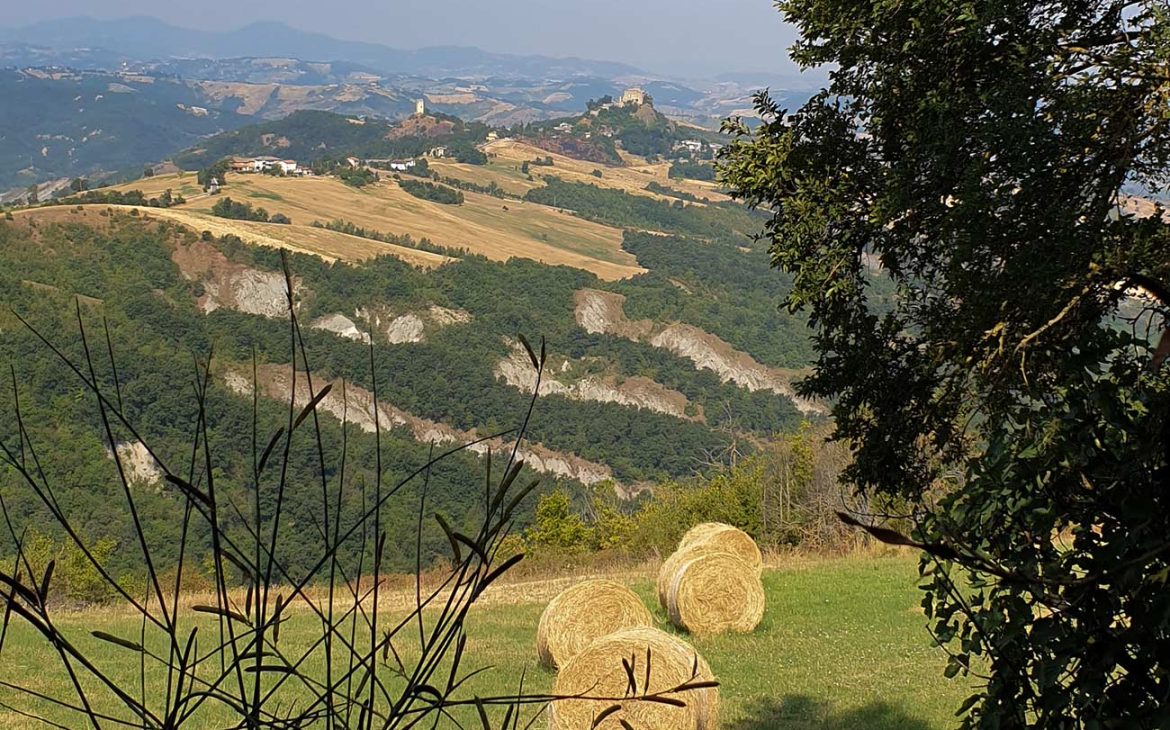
(713, 593)
(726, 539)
(584, 612)
(598, 672)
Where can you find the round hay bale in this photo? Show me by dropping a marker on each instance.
(584, 612)
(670, 567)
(712, 593)
(726, 539)
(598, 672)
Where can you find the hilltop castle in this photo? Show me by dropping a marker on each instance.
(634, 96)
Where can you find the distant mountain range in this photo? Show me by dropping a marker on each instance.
(84, 97)
(76, 41)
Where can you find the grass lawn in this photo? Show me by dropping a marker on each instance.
(842, 646)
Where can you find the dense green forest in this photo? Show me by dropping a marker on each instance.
(156, 331)
(432, 192)
(656, 187)
(156, 335)
(228, 208)
(693, 170)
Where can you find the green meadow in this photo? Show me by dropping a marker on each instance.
(843, 645)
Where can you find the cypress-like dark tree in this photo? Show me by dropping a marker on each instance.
(998, 162)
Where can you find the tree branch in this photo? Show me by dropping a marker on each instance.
(1152, 286)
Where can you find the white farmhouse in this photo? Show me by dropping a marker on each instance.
(263, 164)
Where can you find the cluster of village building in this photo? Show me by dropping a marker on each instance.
(630, 97)
(266, 164)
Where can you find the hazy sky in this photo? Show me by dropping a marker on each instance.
(668, 36)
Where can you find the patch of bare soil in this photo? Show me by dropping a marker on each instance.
(604, 312)
(398, 328)
(516, 370)
(341, 326)
(357, 406)
(139, 466)
(228, 285)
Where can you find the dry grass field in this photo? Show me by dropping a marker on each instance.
(329, 245)
(506, 156)
(497, 229)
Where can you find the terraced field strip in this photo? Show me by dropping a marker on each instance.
(329, 245)
(631, 178)
(485, 225)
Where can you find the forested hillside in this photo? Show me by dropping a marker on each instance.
(66, 124)
(657, 371)
(121, 272)
(138, 275)
(309, 136)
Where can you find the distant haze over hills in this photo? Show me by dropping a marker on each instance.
(95, 97)
(89, 42)
(143, 38)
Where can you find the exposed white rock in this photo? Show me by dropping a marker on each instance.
(250, 291)
(356, 406)
(228, 285)
(407, 328)
(411, 326)
(137, 463)
(595, 311)
(604, 312)
(340, 325)
(516, 370)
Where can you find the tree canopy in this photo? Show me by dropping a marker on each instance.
(999, 162)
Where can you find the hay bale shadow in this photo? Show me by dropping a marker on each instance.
(800, 712)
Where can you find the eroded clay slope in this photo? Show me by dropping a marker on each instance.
(341, 326)
(138, 465)
(516, 370)
(600, 312)
(357, 406)
(397, 328)
(228, 285)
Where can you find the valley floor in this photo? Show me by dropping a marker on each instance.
(843, 646)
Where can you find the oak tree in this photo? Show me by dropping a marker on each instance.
(999, 163)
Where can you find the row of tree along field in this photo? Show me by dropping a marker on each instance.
(785, 496)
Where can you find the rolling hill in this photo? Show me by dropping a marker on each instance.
(483, 225)
(67, 124)
(665, 355)
(142, 38)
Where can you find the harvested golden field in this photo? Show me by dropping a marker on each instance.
(329, 245)
(506, 174)
(631, 178)
(497, 229)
